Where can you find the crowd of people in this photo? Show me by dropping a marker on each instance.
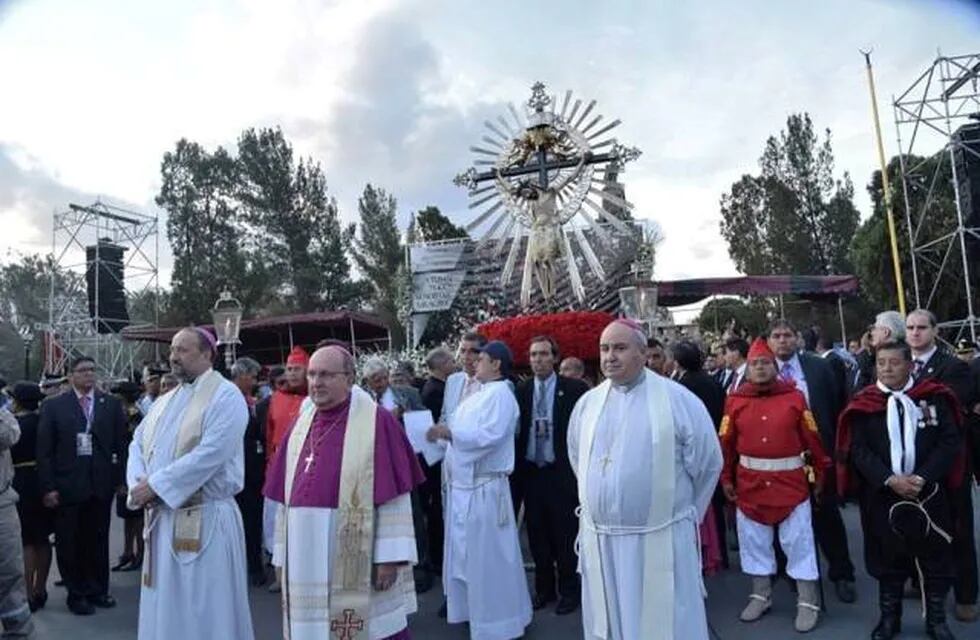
(301, 478)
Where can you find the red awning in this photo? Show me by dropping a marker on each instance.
(269, 339)
(673, 293)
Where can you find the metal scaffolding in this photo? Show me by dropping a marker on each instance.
(928, 114)
(73, 315)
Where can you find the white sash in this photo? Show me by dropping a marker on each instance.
(657, 622)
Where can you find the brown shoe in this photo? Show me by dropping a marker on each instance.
(966, 612)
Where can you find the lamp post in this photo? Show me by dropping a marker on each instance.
(639, 302)
(27, 335)
(227, 318)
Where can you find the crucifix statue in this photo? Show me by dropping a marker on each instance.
(542, 173)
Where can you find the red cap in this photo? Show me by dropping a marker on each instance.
(760, 349)
(298, 356)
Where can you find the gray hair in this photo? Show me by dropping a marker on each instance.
(245, 366)
(438, 357)
(894, 322)
(374, 365)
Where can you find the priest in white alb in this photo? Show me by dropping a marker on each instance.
(647, 459)
(185, 467)
(344, 533)
(483, 571)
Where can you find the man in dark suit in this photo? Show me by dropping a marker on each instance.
(245, 373)
(825, 349)
(551, 497)
(691, 374)
(79, 463)
(815, 379)
(930, 360)
(441, 365)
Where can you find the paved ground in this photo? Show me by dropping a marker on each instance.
(726, 598)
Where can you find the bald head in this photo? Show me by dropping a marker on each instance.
(330, 376)
(622, 352)
(572, 367)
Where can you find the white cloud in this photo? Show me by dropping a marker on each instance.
(393, 93)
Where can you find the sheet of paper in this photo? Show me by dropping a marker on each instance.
(417, 423)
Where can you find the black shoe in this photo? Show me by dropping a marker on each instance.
(257, 579)
(936, 628)
(566, 606)
(890, 604)
(845, 591)
(124, 560)
(105, 601)
(424, 583)
(135, 565)
(540, 602)
(443, 610)
(80, 607)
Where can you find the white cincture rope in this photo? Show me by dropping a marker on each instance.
(632, 530)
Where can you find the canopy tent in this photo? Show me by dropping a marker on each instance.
(675, 293)
(269, 339)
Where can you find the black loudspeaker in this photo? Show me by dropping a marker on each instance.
(966, 155)
(106, 294)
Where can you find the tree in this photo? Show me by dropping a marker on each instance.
(794, 217)
(720, 314)
(294, 224)
(25, 290)
(871, 247)
(198, 191)
(379, 255)
(429, 225)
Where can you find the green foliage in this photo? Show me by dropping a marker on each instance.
(25, 289)
(293, 223)
(429, 225)
(721, 315)
(379, 255)
(794, 217)
(870, 248)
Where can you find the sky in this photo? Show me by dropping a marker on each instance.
(393, 92)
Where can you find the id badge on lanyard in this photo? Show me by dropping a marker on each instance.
(83, 441)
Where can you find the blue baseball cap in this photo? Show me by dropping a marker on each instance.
(498, 350)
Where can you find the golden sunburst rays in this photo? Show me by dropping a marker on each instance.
(540, 173)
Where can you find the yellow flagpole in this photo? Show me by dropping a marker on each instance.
(899, 285)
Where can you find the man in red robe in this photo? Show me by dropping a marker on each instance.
(767, 436)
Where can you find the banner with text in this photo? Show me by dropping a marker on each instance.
(435, 291)
(426, 258)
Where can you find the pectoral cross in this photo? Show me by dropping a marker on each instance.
(309, 461)
(346, 628)
(605, 461)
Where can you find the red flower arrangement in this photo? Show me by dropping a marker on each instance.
(576, 332)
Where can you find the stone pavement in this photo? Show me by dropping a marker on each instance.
(727, 593)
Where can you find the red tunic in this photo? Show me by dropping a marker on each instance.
(769, 422)
(283, 409)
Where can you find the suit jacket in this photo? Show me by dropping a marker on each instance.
(945, 367)
(839, 368)
(433, 392)
(567, 393)
(824, 398)
(60, 469)
(705, 387)
(253, 443)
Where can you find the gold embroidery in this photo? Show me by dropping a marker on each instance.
(725, 426)
(810, 423)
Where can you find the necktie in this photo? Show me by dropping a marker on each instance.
(86, 402)
(787, 372)
(540, 413)
(918, 367)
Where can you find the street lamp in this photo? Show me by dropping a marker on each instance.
(227, 318)
(639, 302)
(27, 335)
